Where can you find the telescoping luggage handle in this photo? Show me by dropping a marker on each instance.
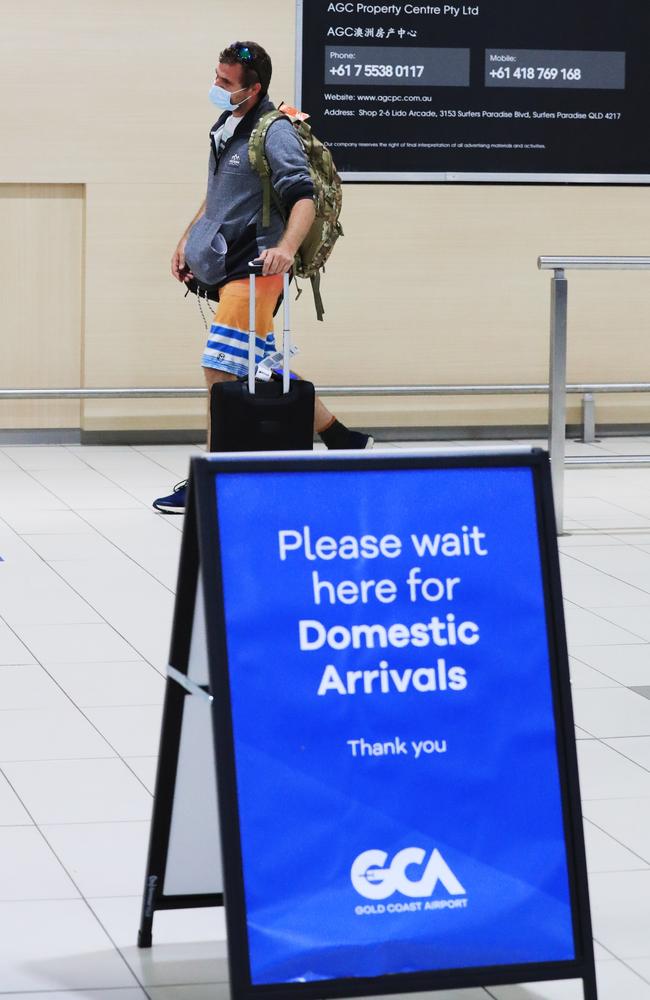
(255, 268)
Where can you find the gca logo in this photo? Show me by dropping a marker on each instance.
(372, 879)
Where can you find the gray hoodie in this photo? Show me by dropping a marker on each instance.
(230, 233)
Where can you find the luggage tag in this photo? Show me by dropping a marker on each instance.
(264, 371)
(293, 113)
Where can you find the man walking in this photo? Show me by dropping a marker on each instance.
(227, 232)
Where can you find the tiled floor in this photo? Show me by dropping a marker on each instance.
(86, 594)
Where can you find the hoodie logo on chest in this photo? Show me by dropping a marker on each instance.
(234, 160)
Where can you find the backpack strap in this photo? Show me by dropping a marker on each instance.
(318, 300)
(260, 164)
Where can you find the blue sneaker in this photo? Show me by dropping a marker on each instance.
(175, 502)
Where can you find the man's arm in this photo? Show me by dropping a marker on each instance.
(178, 260)
(279, 260)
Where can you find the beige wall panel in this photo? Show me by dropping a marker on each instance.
(41, 303)
(447, 278)
(145, 415)
(453, 412)
(117, 90)
(434, 284)
(140, 329)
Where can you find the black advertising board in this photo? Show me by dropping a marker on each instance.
(486, 91)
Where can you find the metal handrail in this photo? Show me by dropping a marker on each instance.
(558, 354)
(535, 388)
(593, 263)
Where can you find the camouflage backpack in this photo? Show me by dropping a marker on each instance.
(326, 229)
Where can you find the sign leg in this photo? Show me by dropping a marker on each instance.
(144, 934)
(590, 987)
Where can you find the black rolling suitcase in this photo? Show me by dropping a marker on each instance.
(263, 416)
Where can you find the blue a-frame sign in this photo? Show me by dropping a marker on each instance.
(392, 727)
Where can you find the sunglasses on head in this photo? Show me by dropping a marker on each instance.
(242, 52)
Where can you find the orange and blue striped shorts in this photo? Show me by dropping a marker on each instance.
(227, 346)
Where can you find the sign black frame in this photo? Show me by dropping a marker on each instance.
(204, 473)
(154, 897)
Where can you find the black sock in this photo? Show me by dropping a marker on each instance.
(338, 436)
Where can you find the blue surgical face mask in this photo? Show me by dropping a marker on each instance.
(221, 97)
